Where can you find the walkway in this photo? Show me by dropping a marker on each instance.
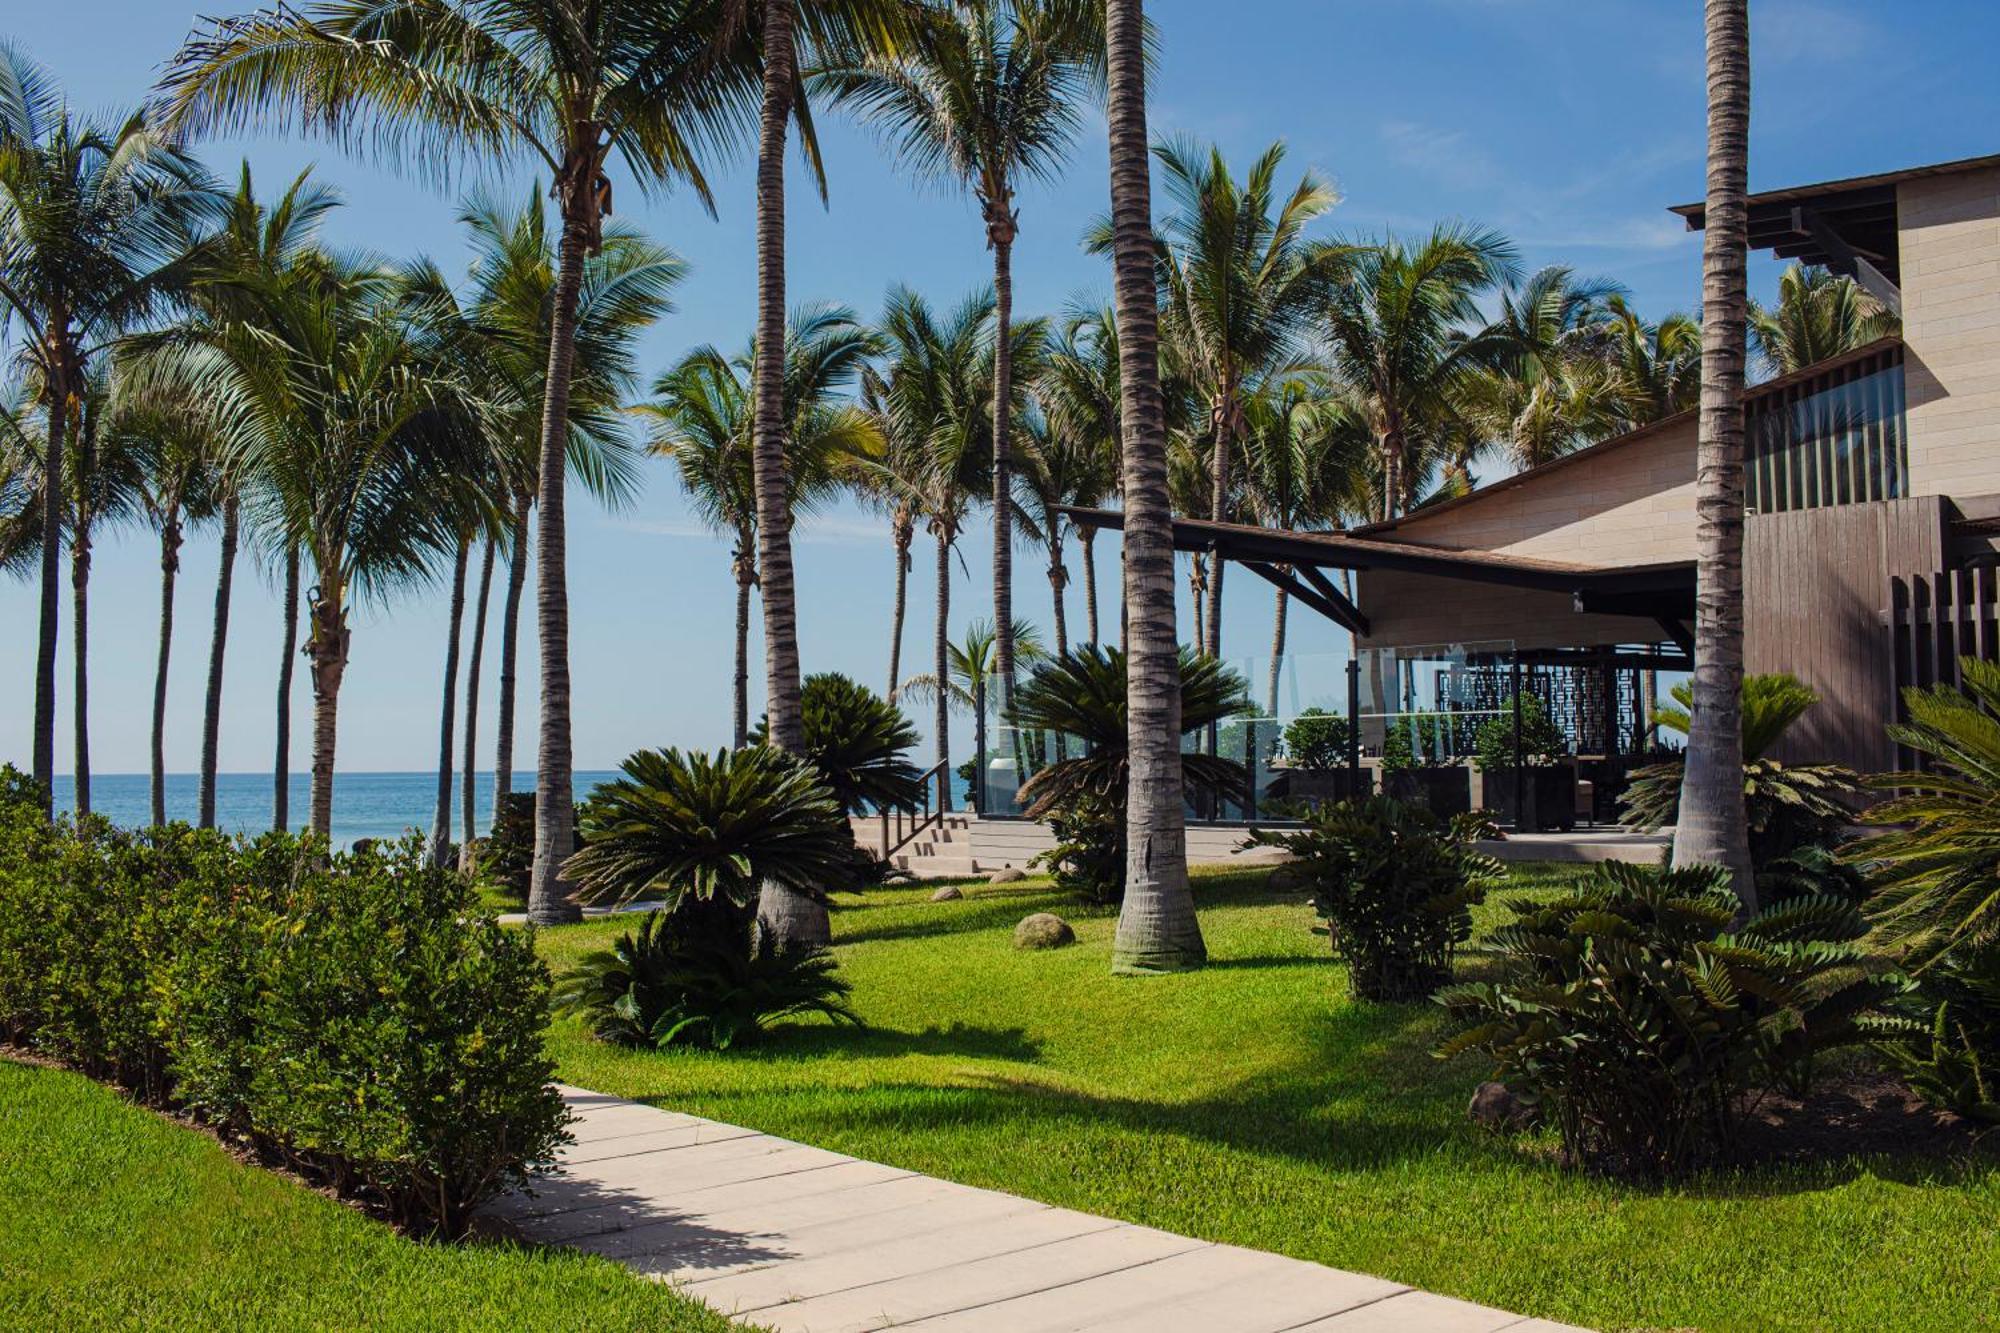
(804, 1240)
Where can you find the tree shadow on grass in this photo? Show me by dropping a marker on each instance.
(962, 1040)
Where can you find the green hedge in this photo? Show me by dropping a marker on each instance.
(354, 1015)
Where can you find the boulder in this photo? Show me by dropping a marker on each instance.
(1043, 930)
(1009, 875)
(1499, 1108)
(948, 894)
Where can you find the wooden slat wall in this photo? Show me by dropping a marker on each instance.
(1818, 585)
(1935, 621)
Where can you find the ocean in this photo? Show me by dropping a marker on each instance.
(365, 805)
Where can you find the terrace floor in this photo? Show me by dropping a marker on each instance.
(796, 1238)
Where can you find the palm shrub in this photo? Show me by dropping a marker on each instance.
(653, 989)
(1081, 695)
(703, 833)
(1640, 1019)
(1396, 886)
(859, 743)
(1936, 872)
(1790, 807)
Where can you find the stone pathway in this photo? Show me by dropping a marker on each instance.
(796, 1238)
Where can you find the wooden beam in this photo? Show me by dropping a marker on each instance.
(1341, 612)
(1843, 257)
(1678, 631)
(1324, 586)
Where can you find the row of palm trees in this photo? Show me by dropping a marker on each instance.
(1248, 369)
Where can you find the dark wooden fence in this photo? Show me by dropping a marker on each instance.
(1937, 619)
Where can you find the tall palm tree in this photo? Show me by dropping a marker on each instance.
(509, 307)
(1062, 469)
(93, 221)
(562, 82)
(1397, 323)
(1660, 364)
(972, 675)
(888, 481)
(106, 482)
(993, 96)
(1241, 281)
(1079, 392)
(1157, 930)
(1819, 314)
(701, 419)
(1713, 828)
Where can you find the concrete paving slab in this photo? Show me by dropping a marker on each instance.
(811, 1241)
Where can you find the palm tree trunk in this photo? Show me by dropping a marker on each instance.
(328, 646)
(1058, 581)
(1087, 539)
(790, 919)
(549, 901)
(941, 665)
(903, 531)
(211, 717)
(469, 788)
(1712, 828)
(1198, 599)
(1218, 511)
(170, 567)
(288, 656)
(1000, 228)
(448, 712)
(44, 758)
(1157, 929)
(746, 576)
(79, 579)
(510, 641)
(1277, 655)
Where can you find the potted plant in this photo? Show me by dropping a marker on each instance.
(1436, 780)
(1545, 787)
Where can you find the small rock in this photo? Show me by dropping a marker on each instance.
(948, 894)
(1007, 876)
(1043, 930)
(1498, 1108)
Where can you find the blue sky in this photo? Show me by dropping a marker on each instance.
(1569, 126)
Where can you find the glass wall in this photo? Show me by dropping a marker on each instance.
(1836, 438)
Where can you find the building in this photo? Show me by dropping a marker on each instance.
(1873, 493)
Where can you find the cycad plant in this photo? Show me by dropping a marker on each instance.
(702, 832)
(1633, 1012)
(1083, 696)
(858, 744)
(1790, 807)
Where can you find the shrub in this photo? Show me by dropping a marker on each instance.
(1317, 739)
(702, 832)
(1936, 868)
(858, 743)
(1788, 806)
(1542, 741)
(355, 1015)
(649, 989)
(1082, 695)
(1396, 886)
(507, 854)
(1632, 1013)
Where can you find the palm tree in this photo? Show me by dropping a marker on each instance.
(1819, 314)
(990, 98)
(93, 219)
(1660, 363)
(1078, 391)
(888, 481)
(1396, 323)
(1241, 281)
(702, 419)
(1063, 469)
(509, 306)
(1712, 827)
(972, 671)
(790, 36)
(1157, 929)
(561, 81)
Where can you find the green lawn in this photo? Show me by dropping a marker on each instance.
(1253, 1103)
(111, 1216)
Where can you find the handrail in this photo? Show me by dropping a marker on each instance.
(909, 824)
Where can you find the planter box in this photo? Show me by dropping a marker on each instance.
(1443, 791)
(1318, 785)
(1548, 796)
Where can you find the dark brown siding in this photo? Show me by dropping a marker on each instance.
(1816, 603)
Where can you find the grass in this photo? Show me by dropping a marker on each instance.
(111, 1216)
(1254, 1103)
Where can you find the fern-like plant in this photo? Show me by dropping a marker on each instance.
(859, 743)
(1396, 885)
(651, 989)
(1639, 1019)
(1789, 806)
